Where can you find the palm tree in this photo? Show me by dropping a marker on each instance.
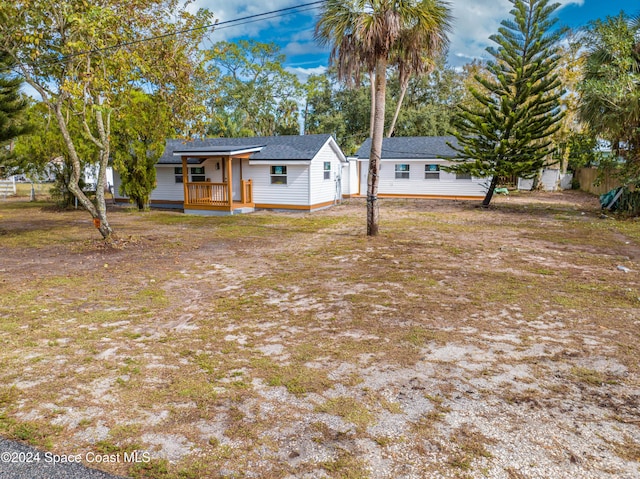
(419, 50)
(368, 35)
(610, 91)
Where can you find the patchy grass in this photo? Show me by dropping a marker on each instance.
(350, 409)
(290, 345)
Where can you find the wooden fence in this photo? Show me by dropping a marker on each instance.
(587, 176)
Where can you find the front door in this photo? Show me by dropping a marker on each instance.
(236, 179)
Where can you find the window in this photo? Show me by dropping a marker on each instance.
(278, 175)
(431, 172)
(402, 172)
(178, 172)
(463, 176)
(197, 174)
(327, 170)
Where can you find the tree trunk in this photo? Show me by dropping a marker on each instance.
(104, 129)
(372, 86)
(376, 148)
(99, 218)
(489, 195)
(403, 91)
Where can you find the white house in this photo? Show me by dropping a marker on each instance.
(411, 167)
(221, 176)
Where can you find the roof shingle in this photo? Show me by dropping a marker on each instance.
(411, 147)
(290, 147)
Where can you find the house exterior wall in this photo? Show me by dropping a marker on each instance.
(213, 170)
(446, 186)
(350, 179)
(167, 192)
(323, 191)
(116, 186)
(305, 188)
(265, 194)
(167, 189)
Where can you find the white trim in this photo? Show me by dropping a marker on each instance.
(336, 149)
(204, 152)
(408, 160)
(278, 162)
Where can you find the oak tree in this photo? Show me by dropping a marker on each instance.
(80, 56)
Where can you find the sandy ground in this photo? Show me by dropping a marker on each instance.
(462, 342)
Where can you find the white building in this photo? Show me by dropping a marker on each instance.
(411, 167)
(219, 176)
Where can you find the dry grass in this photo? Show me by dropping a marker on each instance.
(289, 345)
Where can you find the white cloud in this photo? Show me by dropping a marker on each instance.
(303, 73)
(303, 48)
(225, 10)
(474, 22)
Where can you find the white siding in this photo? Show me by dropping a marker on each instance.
(116, 185)
(322, 190)
(364, 172)
(416, 184)
(295, 192)
(167, 189)
(350, 179)
(213, 170)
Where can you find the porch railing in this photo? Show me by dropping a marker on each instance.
(216, 194)
(247, 192)
(205, 193)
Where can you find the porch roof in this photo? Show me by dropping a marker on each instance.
(217, 150)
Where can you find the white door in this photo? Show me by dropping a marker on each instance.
(236, 179)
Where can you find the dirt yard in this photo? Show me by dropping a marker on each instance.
(460, 343)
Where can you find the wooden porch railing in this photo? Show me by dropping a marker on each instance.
(247, 192)
(216, 194)
(205, 193)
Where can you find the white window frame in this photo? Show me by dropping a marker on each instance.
(327, 171)
(278, 178)
(197, 173)
(177, 172)
(403, 173)
(431, 174)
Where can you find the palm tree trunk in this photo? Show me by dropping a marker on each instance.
(403, 91)
(372, 81)
(376, 148)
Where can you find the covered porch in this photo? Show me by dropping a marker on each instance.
(234, 194)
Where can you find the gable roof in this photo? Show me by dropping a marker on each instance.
(411, 147)
(288, 147)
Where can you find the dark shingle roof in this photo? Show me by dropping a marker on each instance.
(291, 147)
(411, 147)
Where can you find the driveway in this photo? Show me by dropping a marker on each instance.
(18, 461)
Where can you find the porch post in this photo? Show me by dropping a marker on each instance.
(230, 182)
(185, 178)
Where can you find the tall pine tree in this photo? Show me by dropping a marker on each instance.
(12, 104)
(508, 131)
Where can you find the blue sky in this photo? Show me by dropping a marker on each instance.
(475, 21)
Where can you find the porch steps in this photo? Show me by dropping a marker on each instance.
(242, 210)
